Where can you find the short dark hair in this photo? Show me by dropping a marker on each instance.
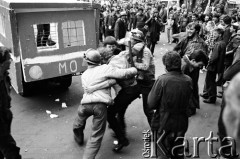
(4, 53)
(196, 26)
(220, 31)
(196, 15)
(172, 61)
(227, 20)
(199, 55)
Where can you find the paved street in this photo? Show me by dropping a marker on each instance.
(40, 136)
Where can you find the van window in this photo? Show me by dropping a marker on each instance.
(73, 33)
(46, 36)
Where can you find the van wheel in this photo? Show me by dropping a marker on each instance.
(66, 82)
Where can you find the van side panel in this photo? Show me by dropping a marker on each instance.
(64, 59)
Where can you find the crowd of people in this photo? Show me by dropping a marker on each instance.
(206, 39)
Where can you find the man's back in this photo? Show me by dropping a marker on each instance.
(176, 89)
(93, 76)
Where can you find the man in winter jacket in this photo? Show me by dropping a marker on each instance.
(170, 97)
(96, 103)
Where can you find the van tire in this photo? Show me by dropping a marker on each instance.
(26, 89)
(66, 81)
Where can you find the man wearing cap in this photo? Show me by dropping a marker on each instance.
(154, 24)
(8, 148)
(111, 43)
(96, 103)
(121, 27)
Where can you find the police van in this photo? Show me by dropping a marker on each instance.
(48, 39)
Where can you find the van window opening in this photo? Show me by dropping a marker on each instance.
(46, 36)
(73, 33)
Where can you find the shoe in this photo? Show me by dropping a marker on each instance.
(120, 145)
(78, 137)
(209, 101)
(203, 96)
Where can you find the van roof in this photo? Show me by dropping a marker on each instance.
(27, 4)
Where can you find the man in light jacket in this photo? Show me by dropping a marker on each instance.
(96, 103)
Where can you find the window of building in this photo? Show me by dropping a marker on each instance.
(46, 36)
(2, 25)
(73, 33)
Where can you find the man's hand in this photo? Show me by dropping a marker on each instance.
(89, 90)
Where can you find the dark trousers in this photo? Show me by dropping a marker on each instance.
(151, 45)
(43, 33)
(121, 102)
(8, 148)
(145, 87)
(210, 86)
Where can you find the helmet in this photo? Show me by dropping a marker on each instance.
(92, 56)
(123, 13)
(137, 35)
(110, 40)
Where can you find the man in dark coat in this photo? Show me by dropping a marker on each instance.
(170, 97)
(163, 16)
(154, 25)
(215, 65)
(121, 28)
(110, 23)
(192, 42)
(8, 148)
(140, 20)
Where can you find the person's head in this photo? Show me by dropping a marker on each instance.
(234, 28)
(163, 5)
(123, 15)
(193, 29)
(5, 59)
(210, 26)
(105, 53)
(194, 17)
(219, 10)
(171, 16)
(174, 8)
(231, 112)
(207, 18)
(215, 18)
(137, 36)
(227, 20)
(218, 33)
(110, 42)
(140, 10)
(183, 6)
(199, 58)
(172, 61)
(92, 57)
(199, 10)
(155, 13)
